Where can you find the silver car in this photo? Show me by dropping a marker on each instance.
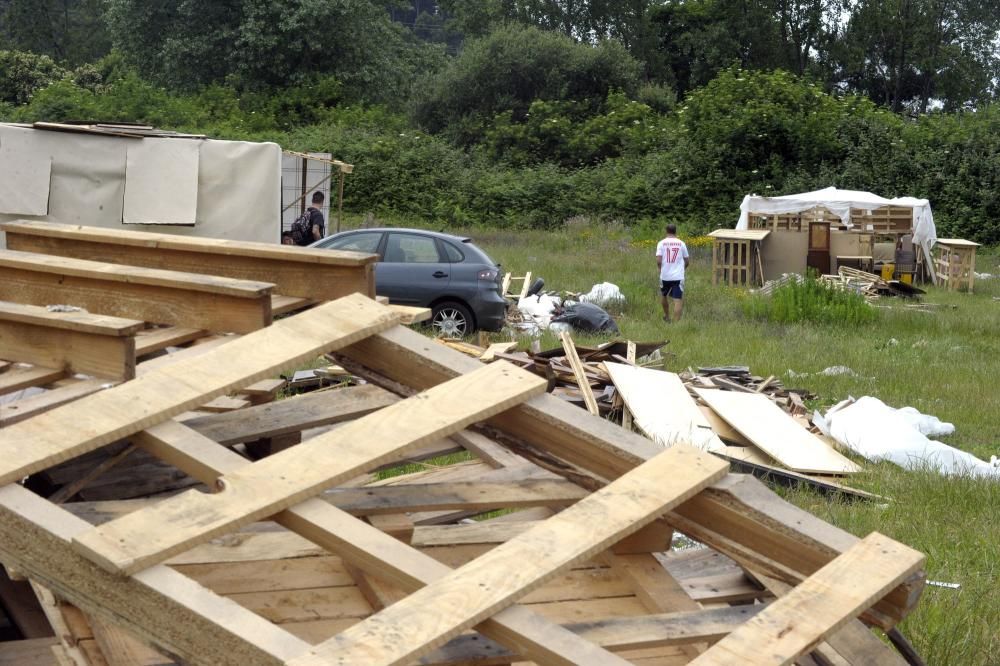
(446, 273)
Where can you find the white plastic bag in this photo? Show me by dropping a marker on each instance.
(604, 294)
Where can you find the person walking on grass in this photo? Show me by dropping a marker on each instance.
(672, 259)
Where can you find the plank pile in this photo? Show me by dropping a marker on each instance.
(549, 543)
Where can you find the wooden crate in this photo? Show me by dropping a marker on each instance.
(955, 263)
(736, 258)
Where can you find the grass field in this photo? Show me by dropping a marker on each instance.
(945, 363)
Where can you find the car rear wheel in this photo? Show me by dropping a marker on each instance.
(451, 320)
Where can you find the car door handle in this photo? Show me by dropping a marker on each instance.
(440, 274)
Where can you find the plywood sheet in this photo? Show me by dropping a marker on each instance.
(24, 187)
(776, 433)
(662, 407)
(161, 182)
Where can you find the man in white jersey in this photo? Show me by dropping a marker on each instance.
(672, 259)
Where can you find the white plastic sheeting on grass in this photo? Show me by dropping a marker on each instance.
(876, 431)
(604, 294)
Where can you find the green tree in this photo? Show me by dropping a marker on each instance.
(511, 68)
(270, 44)
(70, 31)
(24, 74)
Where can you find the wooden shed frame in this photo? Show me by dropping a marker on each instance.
(736, 256)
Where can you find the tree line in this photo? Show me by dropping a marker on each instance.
(527, 112)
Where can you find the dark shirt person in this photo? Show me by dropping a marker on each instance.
(317, 223)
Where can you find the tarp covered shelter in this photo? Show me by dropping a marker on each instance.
(840, 203)
(855, 216)
(126, 176)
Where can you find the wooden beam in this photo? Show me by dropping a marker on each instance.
(155, 339)
(738, 516)
(377, 553)
(321, 275)
(63, 392)
(486, 585)
(102, 418)
(76, 341)
(798, 621)
(159, 605)
(146, 537)
(581, 379)
(160, 296)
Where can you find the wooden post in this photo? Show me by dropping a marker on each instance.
(340, 199)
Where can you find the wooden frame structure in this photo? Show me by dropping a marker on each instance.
(147, 569)
(955, 262)
(736, 256)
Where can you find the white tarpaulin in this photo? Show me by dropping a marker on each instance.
(232, 187)
(840, 203)
(876, 431)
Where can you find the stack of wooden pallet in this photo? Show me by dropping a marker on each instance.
(549, 544)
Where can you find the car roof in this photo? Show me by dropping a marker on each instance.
(423, 232)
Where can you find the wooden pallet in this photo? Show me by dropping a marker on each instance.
(418, 591)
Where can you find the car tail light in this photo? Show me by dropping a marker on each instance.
(488, 274)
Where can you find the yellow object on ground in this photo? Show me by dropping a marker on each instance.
(887, 271)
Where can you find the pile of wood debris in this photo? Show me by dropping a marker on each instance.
(868, 285)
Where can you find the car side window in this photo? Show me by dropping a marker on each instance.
(365, 241)
(455, 255)
(410, 249)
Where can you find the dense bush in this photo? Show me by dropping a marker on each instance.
(23, 74)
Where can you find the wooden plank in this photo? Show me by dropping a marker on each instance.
(618, 633)
(581, 379)
(737, 516)
(120, 648)
(494, 348)
(155, 339)
(68, 391)
(320, 275)
(662, 407)
(375, 552)
(797, 622)
(30, 652)
(411, 315)
(161, 296)
(475, 591)
(281, 305)
(146, 537)
(100, 419)
(300, 412)
(160, 605)
(19, 378)
(776, 433)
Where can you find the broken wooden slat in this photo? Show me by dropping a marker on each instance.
(796, 622)
(578, 372)
(321, 275)
(776, 433)
(154, 295)
(160, 603)
(146, 537)
(501, 347)
(100, 419)
(477, 590)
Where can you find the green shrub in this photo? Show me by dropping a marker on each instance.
(23, 74)
(813, 301)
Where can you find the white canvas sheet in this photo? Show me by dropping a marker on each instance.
(238, 183)
(161, 181)
(840, 203)
(24, 179)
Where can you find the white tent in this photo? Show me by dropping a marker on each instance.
(840, 203)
